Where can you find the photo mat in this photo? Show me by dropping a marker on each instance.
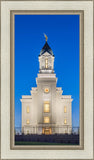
(42, 14)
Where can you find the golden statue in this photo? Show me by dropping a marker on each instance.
(46, 38)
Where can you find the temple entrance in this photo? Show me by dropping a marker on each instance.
(46, 131)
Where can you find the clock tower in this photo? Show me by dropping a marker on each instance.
(46, 85)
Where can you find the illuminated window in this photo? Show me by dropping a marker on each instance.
(65, 121)
(46, 90)
(27, 109)
(46, 120)
(27, 121)
(46, 63)
(65, 109)
(46, 107)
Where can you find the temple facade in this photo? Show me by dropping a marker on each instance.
(46, 110)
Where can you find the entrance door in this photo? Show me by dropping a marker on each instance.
(47, 131)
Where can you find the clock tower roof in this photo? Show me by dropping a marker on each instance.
(46, 48)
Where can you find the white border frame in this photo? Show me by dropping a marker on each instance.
(6, 153)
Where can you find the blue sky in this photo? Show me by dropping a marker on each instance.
(63, 38)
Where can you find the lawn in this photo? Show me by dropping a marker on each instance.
(40, 143)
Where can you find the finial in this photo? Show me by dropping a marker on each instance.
(46, 38)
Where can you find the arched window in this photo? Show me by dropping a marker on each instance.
(65, 109)
(65, 121)
(46, 120)
(27, 109)
(27, 121)
(46, 63)
(46, 107)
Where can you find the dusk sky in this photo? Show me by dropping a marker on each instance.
(63, 38)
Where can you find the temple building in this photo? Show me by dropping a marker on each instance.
(46, 110)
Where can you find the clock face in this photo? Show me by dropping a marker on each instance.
(46, 90)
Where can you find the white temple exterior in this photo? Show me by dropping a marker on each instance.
(46, 110)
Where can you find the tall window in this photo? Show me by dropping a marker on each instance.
(65, 109)
(46, 107)
(27, 109)
(46, 120)
(65, 121)
(27, 121)
(46, 63)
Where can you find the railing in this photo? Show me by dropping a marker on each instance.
(74, 130)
